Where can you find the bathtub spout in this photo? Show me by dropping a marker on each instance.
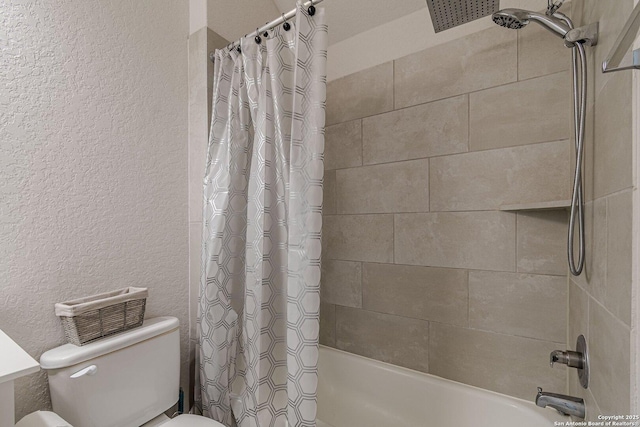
(567, 405)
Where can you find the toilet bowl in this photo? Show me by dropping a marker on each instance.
(191, 421)
(51, 419)
(127, 380)
(42, 419)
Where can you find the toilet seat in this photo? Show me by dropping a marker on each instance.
(42, 419)
(50, 419)
(192, 421)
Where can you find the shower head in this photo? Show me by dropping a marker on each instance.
(518, 18)
(447, 14)
(511, 18)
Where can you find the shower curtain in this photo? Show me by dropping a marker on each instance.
(259, 302)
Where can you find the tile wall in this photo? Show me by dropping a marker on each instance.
(421, 267)
(600, 299)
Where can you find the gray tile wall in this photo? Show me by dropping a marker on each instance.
(600, 299)
(421, 268)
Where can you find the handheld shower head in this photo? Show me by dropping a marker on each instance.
(511, 18)
(518, 18)
(574, 38)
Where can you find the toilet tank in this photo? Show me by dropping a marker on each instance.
(121, 381)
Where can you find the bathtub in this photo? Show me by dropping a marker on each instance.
(354, 391)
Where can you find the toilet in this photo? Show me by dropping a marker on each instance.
(127, 380)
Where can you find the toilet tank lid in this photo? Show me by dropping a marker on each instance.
(68, 354)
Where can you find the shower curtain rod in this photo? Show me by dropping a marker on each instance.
(266, 27)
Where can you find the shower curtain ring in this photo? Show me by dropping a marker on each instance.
(257, 38)
(311, 9)
(286, 25)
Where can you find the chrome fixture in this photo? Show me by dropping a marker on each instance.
(572, 359)
(623, 56)
(557, 23)
(552, 7)
(567, 405)
(518, 18)
(587, 34)
(447, 14)
(574, 38)
(578, 359)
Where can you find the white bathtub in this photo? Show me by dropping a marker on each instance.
(354, 391)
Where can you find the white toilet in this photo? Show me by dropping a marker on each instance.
(127, 380)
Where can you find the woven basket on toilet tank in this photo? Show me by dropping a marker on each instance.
(91, 318)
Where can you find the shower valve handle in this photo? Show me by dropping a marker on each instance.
(572, 359)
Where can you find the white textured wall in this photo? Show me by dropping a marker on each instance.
(93, 162)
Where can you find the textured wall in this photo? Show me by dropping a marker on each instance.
(421, 267)
(600, 299)
(93, 163)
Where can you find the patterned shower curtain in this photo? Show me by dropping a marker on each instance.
(259, 300)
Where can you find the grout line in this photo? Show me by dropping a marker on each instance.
(568, 315)
(515, 251)
(391, 314)
(467, 269)
(588, 316)
(429, 185)
(596, 410)
(468, 123)
(439, 212)
(393, 240)
(487, 331)
(448, 97)
(393, 83)
(602, 306)
(568, 139)
(468, 299)
(389, 163)
(567, 332)
(335, 326)
(517, 55)
(590, 297)
(606, 244)
(459, 153)
(361, 284)
(615, 193)
(429, 346)
(361, 142)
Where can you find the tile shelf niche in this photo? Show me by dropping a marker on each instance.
(538, 206)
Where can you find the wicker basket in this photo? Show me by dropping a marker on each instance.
(91, 318)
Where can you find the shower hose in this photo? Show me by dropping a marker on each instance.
(579, 60)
